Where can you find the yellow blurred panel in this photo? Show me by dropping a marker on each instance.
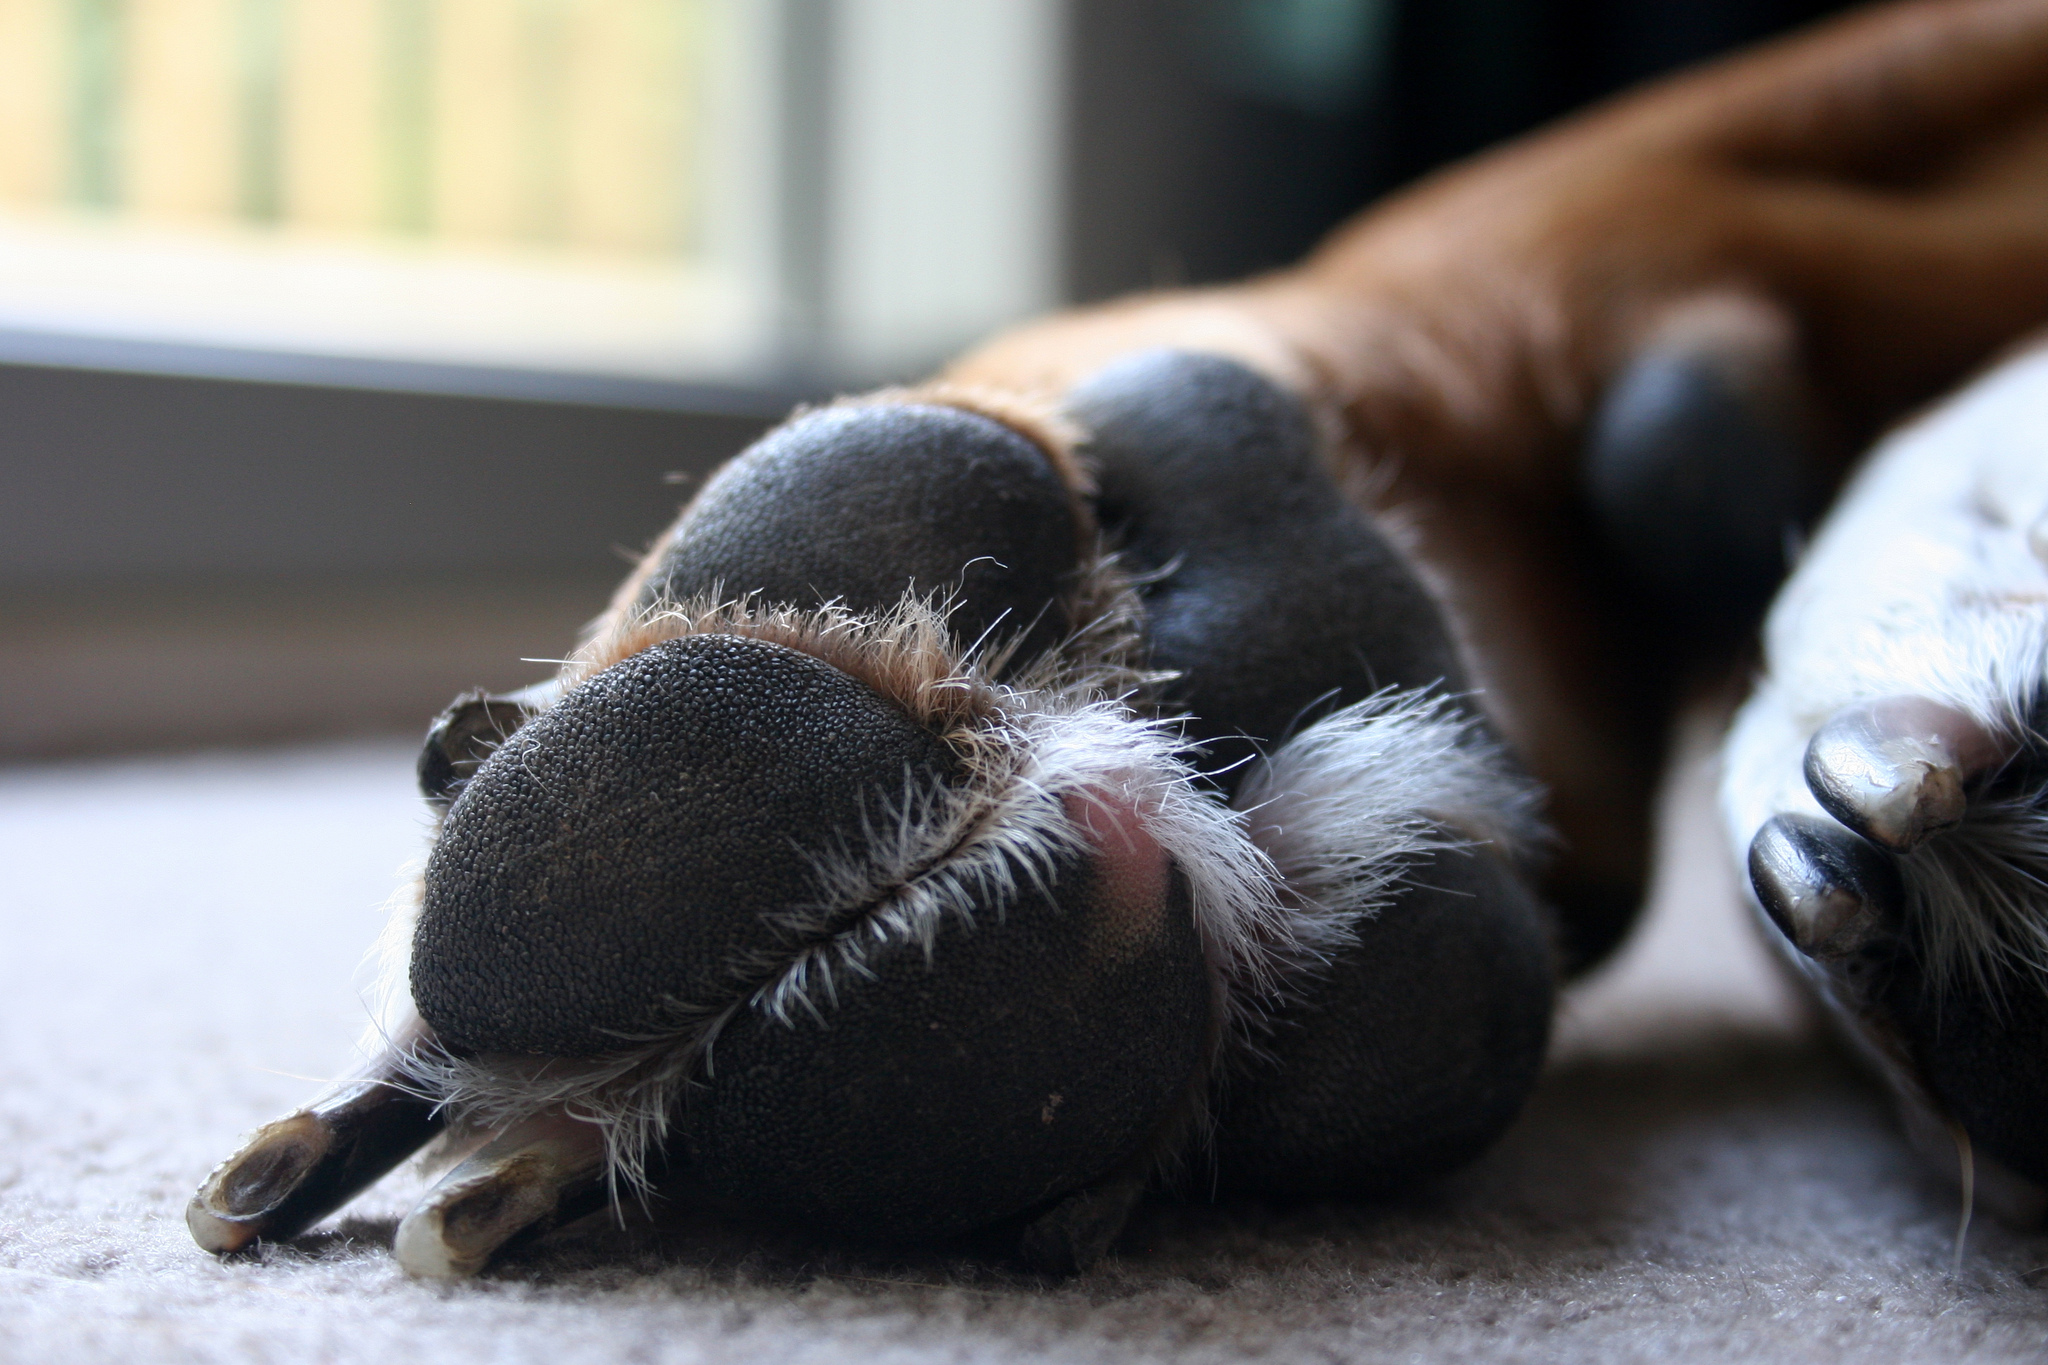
(476, 87)
(333, 50)
(405, 115)
(563, 122)
(686, 92)
(414, 153)
(180, 127)
(627, 101)
(32, 102)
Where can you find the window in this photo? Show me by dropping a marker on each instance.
(698, 190)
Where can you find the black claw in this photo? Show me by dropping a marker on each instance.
(1893, 770)
(1075, 1233)
(1829, 892)
(299, 1169)
(463, 736)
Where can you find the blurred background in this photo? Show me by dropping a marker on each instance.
(349, 348)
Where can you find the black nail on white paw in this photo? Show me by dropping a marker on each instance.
(1894, 770)
(1827, 890)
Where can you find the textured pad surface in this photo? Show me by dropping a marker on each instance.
(1412, 1052)
(1024, 1056)
(1274, 598)
(635, 845)
(864, 503)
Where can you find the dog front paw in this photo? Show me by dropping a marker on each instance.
(1888, 782)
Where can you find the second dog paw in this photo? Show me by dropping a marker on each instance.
(1888, 782)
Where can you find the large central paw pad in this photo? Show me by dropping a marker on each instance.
(878, 982)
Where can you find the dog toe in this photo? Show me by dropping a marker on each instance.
(1894, 770)
(1826, 889)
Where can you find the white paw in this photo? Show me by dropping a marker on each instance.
(1887, 783)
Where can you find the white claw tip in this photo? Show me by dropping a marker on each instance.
(422, 1249)
(516, 1183)
(214, 1233)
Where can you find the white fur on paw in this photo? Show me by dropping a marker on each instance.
(1926, 580)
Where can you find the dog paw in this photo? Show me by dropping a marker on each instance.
(938, 817)
(1888, 781)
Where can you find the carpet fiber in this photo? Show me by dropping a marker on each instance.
(1700, 1177)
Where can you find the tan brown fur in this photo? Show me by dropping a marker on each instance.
(1876, 183)
(907, 656)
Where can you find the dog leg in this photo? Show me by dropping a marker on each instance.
(1870, 189)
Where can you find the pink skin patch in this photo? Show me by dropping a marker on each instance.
(1133, 873)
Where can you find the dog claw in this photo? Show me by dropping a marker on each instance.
(1893, 770)
(298, 1169)
(1827, 890)
(1075, 1233)
(535, 1176)
(464, 735)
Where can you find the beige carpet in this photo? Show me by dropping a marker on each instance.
(1698, 1179)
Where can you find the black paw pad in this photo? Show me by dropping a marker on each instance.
(1269, 594)
(1410, 1052)
(720, 849)
(863, 504)
(1023, 1055)
(1695, 472)
(646, 834)
(1983, 1055)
